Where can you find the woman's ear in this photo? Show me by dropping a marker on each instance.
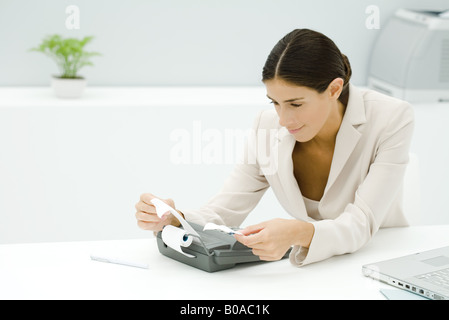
(335, 88)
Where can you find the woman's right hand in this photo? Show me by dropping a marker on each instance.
(147, 217)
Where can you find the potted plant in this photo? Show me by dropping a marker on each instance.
(70, 56)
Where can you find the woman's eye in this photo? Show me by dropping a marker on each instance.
(296, 105)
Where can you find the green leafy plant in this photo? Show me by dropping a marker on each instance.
(69, 53)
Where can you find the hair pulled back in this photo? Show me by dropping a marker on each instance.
(308, 58)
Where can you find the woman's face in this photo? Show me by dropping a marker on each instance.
(302, 110)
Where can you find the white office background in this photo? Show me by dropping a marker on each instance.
(75, 172)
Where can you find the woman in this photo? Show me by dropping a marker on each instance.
(336, 163)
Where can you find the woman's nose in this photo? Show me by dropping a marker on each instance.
(285, 118)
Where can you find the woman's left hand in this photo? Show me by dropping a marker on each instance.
(270, 240)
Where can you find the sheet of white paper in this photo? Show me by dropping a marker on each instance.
(117, 260)
(133, 253)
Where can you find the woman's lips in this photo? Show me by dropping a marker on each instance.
(293, 131)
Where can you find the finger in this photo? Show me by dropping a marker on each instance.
(149, 225)
(145, 200)
(263, 255)
(267, 258)
(170, 202)
(145, 217)
(266, 255)
(252, 240)
(253, 229)
(147, 197)
(148, 208)
(259, 252)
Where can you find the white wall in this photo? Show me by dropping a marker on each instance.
(86, 188)
(430, 142)
(183, 42)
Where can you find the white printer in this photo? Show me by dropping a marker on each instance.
(410, 59)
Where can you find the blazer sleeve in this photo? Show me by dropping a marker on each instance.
(241, 191)
(361, 219)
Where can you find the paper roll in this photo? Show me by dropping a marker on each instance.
(176, 238)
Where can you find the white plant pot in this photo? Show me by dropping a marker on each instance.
(68, 88)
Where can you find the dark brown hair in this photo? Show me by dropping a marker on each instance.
(308, 58)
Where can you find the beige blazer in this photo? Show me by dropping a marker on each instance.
(364, 188)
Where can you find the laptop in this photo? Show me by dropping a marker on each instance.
(424, 273)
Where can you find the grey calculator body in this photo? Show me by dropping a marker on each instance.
(217, 251)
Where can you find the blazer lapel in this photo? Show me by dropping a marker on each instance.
(348, 136)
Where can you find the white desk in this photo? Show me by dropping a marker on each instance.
(64, 270)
